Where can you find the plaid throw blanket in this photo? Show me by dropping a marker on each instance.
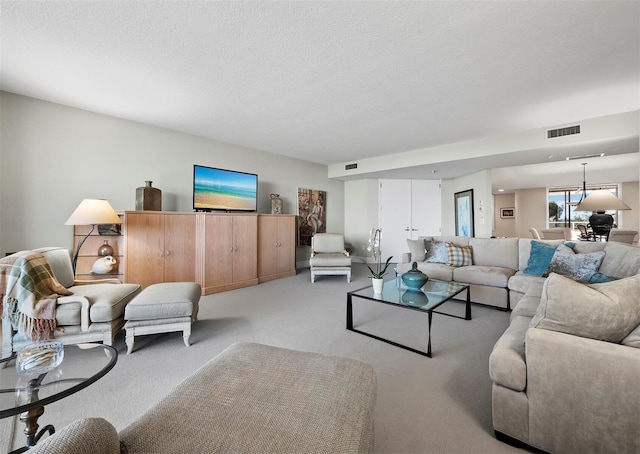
(29, 293)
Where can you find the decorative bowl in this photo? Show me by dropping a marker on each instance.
(414, 278)
(39, 357)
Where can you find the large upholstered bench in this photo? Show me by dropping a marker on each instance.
(250, 398)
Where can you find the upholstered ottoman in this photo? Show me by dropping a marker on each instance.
(162, 308)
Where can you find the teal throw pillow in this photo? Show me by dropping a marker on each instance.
(597, 278)
(539, 258)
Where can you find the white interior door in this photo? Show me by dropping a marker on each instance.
(426, 212)
(395, 217)
(408, 209)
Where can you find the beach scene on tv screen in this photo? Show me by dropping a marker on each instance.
(215, 189)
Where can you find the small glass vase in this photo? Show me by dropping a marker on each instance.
(105, 249)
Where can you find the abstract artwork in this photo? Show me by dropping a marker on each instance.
(464, 213)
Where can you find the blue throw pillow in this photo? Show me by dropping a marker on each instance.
(539, 258)
(597, 278)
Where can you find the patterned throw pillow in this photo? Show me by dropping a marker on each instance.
(459, 255)
(436, 252)
(417, 249)
(575, 266)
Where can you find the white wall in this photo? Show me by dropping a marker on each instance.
(532, 210)
(504, 227)
(361, 214)
(630, 194)
(53, 156)
(480, 182)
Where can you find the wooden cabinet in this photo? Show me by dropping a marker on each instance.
(228, 251)
(161, 247)
(276, 246)
(220, 251)
(89, 251)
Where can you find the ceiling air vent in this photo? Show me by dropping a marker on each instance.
(569, 130)
(350, 166)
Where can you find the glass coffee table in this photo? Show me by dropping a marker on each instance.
(432, 295)
(27, 395)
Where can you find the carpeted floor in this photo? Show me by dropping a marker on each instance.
(437, 405)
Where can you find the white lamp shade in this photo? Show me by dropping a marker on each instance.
(601, 200)
(93, 212)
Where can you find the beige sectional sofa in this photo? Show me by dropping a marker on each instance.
(497, 276)
(566, 372)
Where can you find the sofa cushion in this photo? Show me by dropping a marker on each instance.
(491, 276)
(607, 312)
(417, 249)
(107, 300)
(528, 304)
(621, 260)
(520, 282)
(507, 363)
(539, 258)
(501, 252)
(459, 255)
(633, 339)
(436, 252)
(438, 271)
(576, 266)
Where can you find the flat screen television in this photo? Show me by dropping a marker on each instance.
(224, 190)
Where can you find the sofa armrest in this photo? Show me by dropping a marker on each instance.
(406, 257)
(94, 435)
(111, 280)
(582, 393)
(84, 309)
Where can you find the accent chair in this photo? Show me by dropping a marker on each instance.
(329, 256)
(622, 236)
(556, 234)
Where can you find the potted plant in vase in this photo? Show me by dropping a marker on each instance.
(374, 247)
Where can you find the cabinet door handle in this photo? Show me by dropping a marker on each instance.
(161, 253)
(231, 249)
(167, 253)
(407, 229)
(235, 248)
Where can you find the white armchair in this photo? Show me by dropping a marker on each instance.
(556, 234)
(329, 256)
(93, 312)
(622, 236)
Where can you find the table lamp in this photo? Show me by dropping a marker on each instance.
(91, 212)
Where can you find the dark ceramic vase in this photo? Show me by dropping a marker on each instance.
(148, 198)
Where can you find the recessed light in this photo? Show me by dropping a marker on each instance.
(500, 190)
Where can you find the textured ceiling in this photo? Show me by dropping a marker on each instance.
(324, 81)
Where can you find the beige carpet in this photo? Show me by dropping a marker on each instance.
(437, 405)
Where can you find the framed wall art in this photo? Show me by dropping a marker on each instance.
(312, 214)
(464, 212)
(507, 213)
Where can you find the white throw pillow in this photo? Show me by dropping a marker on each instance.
(418, 250)
(608, 311)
